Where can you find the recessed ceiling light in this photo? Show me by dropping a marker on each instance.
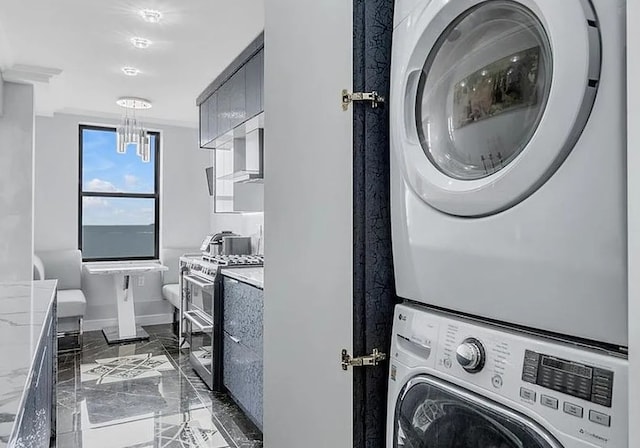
(130, 71)
(151, 15)
(140, 42)
(132, 102)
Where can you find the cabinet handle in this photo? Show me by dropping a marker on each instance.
(234, 339)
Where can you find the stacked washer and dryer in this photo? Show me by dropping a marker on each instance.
(508, 195)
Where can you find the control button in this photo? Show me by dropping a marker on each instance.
(527, 394)
(602, 400)
(496, 381)
(572, 409)
(599, 418)
(447, 362)
(529, 378)
(549, 402)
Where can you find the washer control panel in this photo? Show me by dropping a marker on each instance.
(577, 392)
(568, 377)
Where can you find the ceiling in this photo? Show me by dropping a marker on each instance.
(88, 42)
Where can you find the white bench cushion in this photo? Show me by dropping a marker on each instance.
(171, 292)
(71, 302)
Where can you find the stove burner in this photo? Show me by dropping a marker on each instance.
(235, 260)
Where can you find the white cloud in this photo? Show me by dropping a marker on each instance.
(100, 185)
(131, 181)
(94, 201)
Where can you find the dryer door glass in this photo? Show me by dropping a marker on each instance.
(483, 89)
(434, 414)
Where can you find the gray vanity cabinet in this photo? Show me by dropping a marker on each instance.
(242, 346)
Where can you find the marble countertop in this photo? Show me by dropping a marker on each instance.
(24, 307)
(127, 268)
(252, 275)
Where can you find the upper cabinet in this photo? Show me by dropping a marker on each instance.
(254, 82)
(234, 97)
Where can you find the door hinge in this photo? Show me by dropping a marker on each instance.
(373, 97)
(368, 360)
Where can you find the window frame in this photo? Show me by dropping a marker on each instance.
(155, 195)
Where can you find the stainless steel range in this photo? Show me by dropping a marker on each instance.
(201, 310)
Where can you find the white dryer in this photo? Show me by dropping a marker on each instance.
(508, 183)
(456, 382)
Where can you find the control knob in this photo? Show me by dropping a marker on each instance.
(470, 355)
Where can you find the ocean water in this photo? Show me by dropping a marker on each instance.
(118, 241)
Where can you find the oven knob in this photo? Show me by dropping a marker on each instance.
(470, 355)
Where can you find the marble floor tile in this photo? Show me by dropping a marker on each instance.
(193, 429)
(143, 394)
(123, 368)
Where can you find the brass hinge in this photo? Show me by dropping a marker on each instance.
(373, 97)
(368, 360)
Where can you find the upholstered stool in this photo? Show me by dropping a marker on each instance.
(66, 267)
(170, 257)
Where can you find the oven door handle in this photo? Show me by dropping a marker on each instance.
(197, 281)
(198, 322)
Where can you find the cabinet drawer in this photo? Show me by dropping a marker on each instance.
(243, 310)
(242, 376)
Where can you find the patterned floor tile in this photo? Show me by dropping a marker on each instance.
(109, 370)
(143, 394)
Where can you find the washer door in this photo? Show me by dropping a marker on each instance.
(431, 413)
(496, 93)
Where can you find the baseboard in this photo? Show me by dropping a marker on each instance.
(151, 319)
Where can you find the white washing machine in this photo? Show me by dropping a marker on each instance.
(508, 184)
(455, 383)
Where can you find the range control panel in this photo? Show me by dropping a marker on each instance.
(579, 380)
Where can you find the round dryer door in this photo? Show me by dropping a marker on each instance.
(496, 94)
(433, 414)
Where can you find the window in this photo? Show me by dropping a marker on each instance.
(118, 200)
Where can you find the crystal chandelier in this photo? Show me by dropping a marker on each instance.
(131, 131)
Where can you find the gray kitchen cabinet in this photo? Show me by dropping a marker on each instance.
(242, 377)
(209, 122)
(254, 81)
(224, 108)
(237, 87)
(234, 97)
(204, 124)
(242, 346)
(212, 102)
(36, 420)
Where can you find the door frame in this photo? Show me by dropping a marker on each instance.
(633, 213)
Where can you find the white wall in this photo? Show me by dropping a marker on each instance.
(633, 186)
(16, 182)
(184, 198)
(245, 224)
(308, 159)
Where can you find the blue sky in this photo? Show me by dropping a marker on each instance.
(106, 170)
